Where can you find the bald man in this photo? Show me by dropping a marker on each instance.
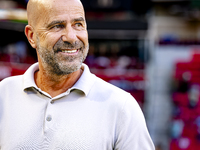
(58, 104)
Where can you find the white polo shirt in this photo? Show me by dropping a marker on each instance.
(92, 115)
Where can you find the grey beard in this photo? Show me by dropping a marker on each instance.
(60, 68)
(56, 65)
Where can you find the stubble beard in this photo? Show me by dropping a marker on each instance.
(59, 65)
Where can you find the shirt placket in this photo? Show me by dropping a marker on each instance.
(49, 120)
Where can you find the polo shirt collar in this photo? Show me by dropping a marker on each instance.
(84, 83)
(86, 80)
(29, 77)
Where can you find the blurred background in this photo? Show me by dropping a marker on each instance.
(150, 48)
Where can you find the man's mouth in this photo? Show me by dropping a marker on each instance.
(69, 51)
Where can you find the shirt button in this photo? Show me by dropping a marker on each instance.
(52, 102)
(49, 118)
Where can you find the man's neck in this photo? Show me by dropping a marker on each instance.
(55, 85)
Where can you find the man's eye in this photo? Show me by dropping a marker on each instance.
(78, 24)
(59, 26)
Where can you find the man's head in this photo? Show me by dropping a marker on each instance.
(57, 30)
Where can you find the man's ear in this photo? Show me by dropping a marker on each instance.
(29, 34)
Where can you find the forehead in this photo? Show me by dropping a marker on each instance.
(65, 7)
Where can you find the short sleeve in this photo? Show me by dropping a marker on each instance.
(132, 133)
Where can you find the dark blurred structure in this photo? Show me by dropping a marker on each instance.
(136, 6)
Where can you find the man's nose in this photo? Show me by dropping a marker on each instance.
(69, 35)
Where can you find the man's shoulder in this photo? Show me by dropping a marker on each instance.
(106, 86)
(107, 90)
(113, 96)
(11, 81)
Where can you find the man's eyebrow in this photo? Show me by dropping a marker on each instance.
(55, 22)
(62, 21)
(79, 19)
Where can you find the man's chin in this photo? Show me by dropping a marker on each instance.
(68, 68)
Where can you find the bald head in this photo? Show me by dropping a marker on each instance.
(38, 9)
(34, 8)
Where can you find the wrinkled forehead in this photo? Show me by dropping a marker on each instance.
(65, 6)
